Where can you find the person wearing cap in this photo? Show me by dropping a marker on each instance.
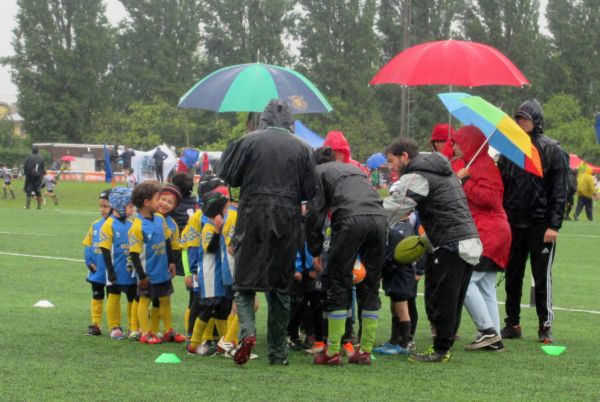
(34, 172)
(535, 207)
(275, 172)
(428, 182)
(442, 140)
(114, 245)
(95, 264)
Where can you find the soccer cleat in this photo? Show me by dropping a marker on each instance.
(117, 333)
(348, 348)
(316, 348)
(226, 349)
(483, 339)
(511, 332)
(242, 355)
(360, 358)
(201, 350)
(297, 345)
(391, 349)
(545, 335)
(325, 360)
(495, 347)
(171, 336)
(430, 356)
(93, 330)
(412, 346)
(134, 335)
(150, 339)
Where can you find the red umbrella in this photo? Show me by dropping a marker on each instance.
(450, 62)
(575, 161)
(67, 158)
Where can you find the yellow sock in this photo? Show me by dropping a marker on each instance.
(97, 312)
(143, 309)
(233, 326)
(197, 335)
(165, 312)
(221, 327)
(186, 319)
(113, 310)
(208, 331)
(134, 324)
(154, 319)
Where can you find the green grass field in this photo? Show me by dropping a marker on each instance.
(46, 357)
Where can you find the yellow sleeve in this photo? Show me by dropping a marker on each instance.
(136, 237)
(106, 234)
(88, 240)
(229, 227)
(190, 236)
(208, 231)
(175, 241)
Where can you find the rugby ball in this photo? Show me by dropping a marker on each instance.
(358, 272)
(410, 249)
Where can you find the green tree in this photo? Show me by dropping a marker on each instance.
(62, 51)
(239, 31)
(157, 54)
(565, 122)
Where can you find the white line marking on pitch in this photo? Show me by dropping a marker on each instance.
(27, 234)
(46, 257)
(579, 235)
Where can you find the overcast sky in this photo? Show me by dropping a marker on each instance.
(114, 11)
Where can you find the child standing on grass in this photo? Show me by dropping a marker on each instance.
(131, 179)
(169, 198)
(49, 182)
(95, 264)
(5, 175)
(213, 301)
(114, 245)
(150, 253)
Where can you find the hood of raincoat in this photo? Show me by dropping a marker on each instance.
(338, 142)
(434, 163)
(470, 139)
(440, 132)
(532, 109)
(277, 113)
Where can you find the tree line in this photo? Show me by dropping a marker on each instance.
(80, 79)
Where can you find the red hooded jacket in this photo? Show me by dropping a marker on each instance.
(338, 142)
(484, 191)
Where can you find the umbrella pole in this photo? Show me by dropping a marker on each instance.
(480, 148)
(449, 115)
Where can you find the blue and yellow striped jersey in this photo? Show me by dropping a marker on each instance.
(114, 236)
(147, 237)
(210, 277)
(227, 260)
(93, 254)
(173, 233)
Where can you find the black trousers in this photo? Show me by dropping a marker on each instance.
(446, 284)
(529, 242)
(588, 204)
(158, 168)
(364, 235)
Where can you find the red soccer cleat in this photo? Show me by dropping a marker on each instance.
(171, 336)
(360, 358)
(150, 339)
(324, 359)
(243, 353)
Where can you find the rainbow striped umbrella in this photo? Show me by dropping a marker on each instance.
(502, 132)
(249, 87)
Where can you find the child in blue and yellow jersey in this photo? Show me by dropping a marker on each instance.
(151, 256)
(114, 244)
(95, 264)
(169, 198)
(214, 301)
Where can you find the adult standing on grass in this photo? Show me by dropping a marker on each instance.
(276, 172)
(586, 191)
(159, 157)
(483, 187)
(428, 182)
(535, 207)
(34, 173)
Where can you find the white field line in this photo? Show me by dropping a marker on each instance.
(46, 257)
(579, 235)
(573, 310)
(26, 234)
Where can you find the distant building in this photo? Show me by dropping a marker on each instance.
(9, 112)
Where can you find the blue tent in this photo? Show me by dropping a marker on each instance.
(375, 161)
(314, 140)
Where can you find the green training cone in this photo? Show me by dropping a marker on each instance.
(167, 358)
(553, 350)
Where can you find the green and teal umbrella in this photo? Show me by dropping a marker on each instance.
(249, 87)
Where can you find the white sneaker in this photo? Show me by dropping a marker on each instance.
(201, 350)
(117, 333)
(226, 349)
(134, 335)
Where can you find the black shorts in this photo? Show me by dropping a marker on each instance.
(157, 290)
(214, 307)
(129, 290)
(97, 290)
(399, 282)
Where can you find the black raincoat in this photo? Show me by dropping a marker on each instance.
(275, 172)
